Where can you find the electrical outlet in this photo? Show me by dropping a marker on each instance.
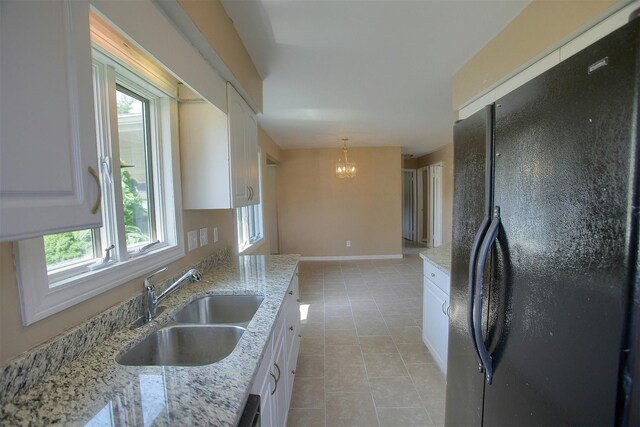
(348, 243)
(193, 240)
(215, 234)
(204, 236)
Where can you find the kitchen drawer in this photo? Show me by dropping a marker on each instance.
(437, 276)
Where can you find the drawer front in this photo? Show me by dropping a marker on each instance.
(437, 276)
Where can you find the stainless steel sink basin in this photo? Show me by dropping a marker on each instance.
(230, 309)
(184, 345)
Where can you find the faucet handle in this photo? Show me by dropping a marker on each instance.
(147, 280)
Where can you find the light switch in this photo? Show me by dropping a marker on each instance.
(204, 236)
(193, 240)
(215, 234)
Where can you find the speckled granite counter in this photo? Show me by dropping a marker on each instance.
(94, 390)
(440, 257)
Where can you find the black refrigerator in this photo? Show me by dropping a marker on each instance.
(545, 275)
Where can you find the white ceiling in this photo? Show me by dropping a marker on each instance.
(375, 71)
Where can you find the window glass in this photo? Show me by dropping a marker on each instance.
(70, 248)
(137, 190)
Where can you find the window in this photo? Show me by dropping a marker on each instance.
(138, 155)
(249, 219)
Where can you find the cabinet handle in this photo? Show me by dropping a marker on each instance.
(291, 328)
(449, 310)
(96, 205)
(275, 385)
(433, 274)
(293, 372)
(442, 308)
(278, 368)
(290, 292)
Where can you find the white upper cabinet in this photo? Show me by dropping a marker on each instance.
(219, 152)
(243, 139)
(48, 154)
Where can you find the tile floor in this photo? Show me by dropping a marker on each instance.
(362, 361)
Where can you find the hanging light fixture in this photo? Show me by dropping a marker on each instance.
(345, 168)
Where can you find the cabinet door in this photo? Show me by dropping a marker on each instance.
(237, 112)
(47, 119)
(251, 152)
(280, 401)
(435, 323)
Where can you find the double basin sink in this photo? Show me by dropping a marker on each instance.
(205, 331)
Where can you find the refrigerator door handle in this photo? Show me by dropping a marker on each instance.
(475, 247)
(490, 238)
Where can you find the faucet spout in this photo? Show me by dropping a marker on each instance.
(151, 301)
(192, 275)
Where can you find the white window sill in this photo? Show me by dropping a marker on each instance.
(251, 248)
(41, 299)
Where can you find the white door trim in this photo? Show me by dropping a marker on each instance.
(435, 204)
(420, 205)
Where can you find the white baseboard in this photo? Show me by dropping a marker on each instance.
(350, 258)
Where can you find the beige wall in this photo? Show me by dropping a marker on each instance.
(215, 25)
(318, 212)
(444, 155)
(16, 338)
(540, 27)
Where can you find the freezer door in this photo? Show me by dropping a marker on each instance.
(465, 383)
(565, 147)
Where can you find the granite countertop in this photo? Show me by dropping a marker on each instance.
(95, 390)
(439, 257)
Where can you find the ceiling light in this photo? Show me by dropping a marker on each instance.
(345, 168)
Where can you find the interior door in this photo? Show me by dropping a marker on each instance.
(565, 156)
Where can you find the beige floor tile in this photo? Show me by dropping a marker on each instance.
(350, 410)
(427, 378)
(414, 353)
(377, 344)
(306, 417)
(346, 355)
(315, 330)
(310, 366)
(339, 322)
(311, 346)
(398, 320)
(403, 417)
(346, 378)
(308, 393)
(337, 310)
(384, 365)
(341, 337)
(336, 299)
(435, 407)
(371, 328)
(367, 304)
(406, 334)
(394, 392)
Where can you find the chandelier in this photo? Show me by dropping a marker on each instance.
(345, 168)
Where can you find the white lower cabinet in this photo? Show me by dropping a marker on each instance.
(435, 314)
(274, 381)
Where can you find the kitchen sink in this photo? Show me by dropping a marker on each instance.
(229, 309)
(184, 345)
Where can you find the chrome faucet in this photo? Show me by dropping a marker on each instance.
(151, 301)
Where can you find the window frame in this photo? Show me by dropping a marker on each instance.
(41, 297)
